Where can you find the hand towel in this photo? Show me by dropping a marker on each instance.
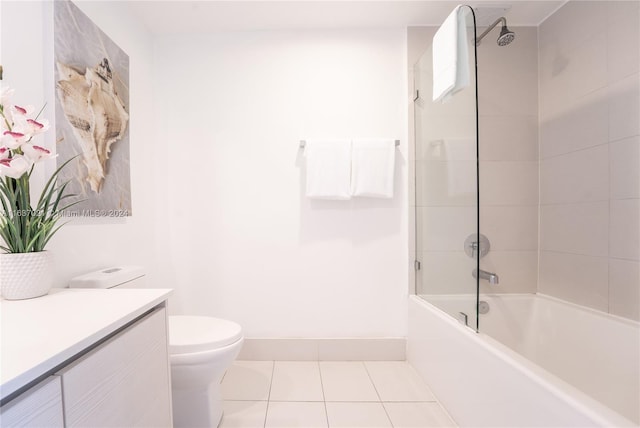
(451, 56)
(372, 168)
(328, 169)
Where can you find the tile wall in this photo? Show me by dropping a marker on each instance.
(589, 96)
(445, 172)
(508, 127)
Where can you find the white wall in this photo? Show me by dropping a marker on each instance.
(88, 244)
(240, 239)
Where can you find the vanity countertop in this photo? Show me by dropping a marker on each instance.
(37, 335)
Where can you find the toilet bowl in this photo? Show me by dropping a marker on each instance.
(200, 351)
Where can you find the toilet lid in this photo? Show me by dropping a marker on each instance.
(189, 334)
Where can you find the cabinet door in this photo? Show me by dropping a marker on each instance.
(40, 406)
(125, 382)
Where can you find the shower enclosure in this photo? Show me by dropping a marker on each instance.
(476, 172)
(447, 192)
(527, 226)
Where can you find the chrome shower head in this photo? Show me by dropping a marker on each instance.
(506, 36)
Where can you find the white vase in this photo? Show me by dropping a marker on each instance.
(25, 275)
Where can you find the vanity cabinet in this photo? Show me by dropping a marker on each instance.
(122, 380)
(39, 406)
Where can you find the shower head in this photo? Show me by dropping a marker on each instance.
(506, 35)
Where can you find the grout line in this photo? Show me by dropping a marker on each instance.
(324, 399)
(273, 369)
(377, 393)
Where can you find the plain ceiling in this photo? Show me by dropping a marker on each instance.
(172, 17)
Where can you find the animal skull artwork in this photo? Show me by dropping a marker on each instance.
(96, 113)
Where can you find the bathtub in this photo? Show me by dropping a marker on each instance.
(538, 362)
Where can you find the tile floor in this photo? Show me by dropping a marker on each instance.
(310, 394)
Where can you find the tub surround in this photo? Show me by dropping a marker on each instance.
(441, 349)
(39, 335)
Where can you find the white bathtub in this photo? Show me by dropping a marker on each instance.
(548, 363)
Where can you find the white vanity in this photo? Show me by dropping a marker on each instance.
(85, 358)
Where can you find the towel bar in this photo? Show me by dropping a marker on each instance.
(304, 142)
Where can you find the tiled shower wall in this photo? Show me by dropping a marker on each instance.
(559, 115)
(508, 127)
(590, 155)
(446, 206)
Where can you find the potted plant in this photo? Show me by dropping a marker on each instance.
(25, 229)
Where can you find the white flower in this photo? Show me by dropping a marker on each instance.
(4, 153)
(5, 95)
(22, 111)
(14, 167)
(13, 140)
(35, 153)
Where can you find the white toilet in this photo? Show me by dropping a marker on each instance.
(200, 350)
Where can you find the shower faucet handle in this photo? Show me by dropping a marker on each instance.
(476, 247)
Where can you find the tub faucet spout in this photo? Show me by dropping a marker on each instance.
(489, 276)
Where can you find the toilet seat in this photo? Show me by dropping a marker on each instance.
(190, 334)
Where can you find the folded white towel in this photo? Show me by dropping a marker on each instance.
(451, 56)
(372, 168)
(328, 169)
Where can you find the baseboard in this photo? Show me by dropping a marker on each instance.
(343, 349)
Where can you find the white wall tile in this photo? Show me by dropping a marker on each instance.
(573, 23)
(581, 176)
(510, 227)
(567, 74)
(621, 9)
(624, 167)
(624, 108)
(583, 123)
(445, 228)
(624, 229)
(508, 183)
(576, 278)
(446, 183)
(517, 270)
(589, 150)
(507, 76)
(451, 146)
(623, 45)
(575, 228)
(508, 138)
(450, 272)
(447, 273)
(438, 129)
(624, 288)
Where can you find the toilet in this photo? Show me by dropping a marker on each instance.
(200, 351)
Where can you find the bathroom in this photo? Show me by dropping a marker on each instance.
(223, 92)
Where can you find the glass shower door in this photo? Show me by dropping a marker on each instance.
(446, 187)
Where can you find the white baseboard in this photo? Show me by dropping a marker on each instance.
(344, 349)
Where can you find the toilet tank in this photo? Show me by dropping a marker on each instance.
(111, 277)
